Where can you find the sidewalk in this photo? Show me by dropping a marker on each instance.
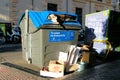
(108, 71)
(14, 67)
(9, 73)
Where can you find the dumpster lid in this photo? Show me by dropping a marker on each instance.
(40, 18)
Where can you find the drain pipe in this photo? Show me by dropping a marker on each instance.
(90, 6)
(67, 5)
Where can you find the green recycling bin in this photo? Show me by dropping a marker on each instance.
(46, 33)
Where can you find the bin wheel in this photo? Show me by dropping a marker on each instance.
(29, 60)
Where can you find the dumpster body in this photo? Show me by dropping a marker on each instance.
(43, 39)
(103, 26)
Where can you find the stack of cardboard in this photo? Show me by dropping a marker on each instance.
(66, 62)
(73, 56)
(55, 67)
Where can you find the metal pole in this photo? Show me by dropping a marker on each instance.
(118, 5)
(67, 5)
(90, 6)
(32, 4)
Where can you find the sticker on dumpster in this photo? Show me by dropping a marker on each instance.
(61, 36)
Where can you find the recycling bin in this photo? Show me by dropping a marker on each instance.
(103, 29)
(46, 33)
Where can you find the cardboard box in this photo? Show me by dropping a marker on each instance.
(55, 69)
(51, 74)
(72, 67)
(56, 66)
(85, 57)
(63, 56)
(88, 57)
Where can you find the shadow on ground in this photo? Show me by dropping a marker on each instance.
(21, 68)
(10, 47)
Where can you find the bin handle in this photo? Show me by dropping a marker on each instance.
(34, 31)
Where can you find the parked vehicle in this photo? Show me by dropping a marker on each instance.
(2, 37)
(14, 35)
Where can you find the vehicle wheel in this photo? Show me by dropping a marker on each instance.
(2, 39)
(15, 39)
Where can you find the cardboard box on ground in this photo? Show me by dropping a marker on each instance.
(68, 62)
(88, 56)
(55, 67)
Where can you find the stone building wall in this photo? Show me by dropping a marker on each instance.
(17, 7)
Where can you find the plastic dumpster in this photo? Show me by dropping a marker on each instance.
(46, 33)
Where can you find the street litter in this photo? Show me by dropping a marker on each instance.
(67, 62)
(55, 69)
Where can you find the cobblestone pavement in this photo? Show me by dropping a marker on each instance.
(108, 71)
(8, 73)
(13, 67)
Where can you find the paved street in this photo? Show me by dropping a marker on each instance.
(109, 71)
(13, 67)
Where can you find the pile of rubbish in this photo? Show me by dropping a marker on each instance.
(77, 59)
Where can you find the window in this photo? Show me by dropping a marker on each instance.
(52, 7)
(79, 14)
(97, 10)
(99, 0)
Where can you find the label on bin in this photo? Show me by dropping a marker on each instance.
(61, 36)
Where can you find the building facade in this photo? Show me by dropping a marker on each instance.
(116, 5)
(4, 11)
(15, 8)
